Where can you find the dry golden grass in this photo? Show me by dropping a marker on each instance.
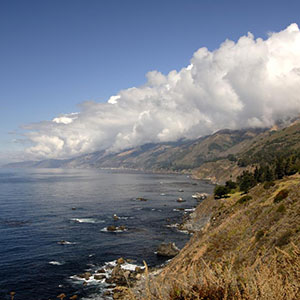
(277, 278)
(250, 251)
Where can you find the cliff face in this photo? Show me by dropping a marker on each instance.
(244, 248)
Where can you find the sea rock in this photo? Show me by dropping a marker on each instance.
(99, 276)
(141, 199)
(120, 261)
(116, 271)
(101, 271)
(167, 250)
(111, 228)
(115, 217)
(63, 242)
(180, 200)
(122, 228)
(85, 275)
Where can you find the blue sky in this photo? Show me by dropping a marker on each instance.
(56, 54)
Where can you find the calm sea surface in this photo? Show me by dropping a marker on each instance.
(39, 208)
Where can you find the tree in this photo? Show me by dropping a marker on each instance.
(220, 191)
(246, 181)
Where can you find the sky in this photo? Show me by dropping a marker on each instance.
(61, 61)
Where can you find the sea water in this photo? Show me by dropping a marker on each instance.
(53, 225)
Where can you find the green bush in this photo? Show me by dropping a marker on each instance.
(281, 195)
(220, 191)
(231, 185)
(268, 185)
(244, 199)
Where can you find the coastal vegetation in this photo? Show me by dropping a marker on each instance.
(249, 246)
(249, 249)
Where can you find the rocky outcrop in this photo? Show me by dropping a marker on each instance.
(167, 250)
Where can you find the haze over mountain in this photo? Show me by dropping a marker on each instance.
(250, 83)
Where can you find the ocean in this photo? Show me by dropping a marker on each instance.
(53, 225)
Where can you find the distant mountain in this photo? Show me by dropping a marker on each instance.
(217, 157)
(183, 155)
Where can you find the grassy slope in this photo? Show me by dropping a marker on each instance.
(182, 155)
(246, 251)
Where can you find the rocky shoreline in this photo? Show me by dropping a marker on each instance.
(125, 283)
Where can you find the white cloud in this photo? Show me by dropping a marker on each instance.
(252, 82)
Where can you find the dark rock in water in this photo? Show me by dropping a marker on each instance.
(122, 227)
(85, 275)
(141, 199)
(120, 261)
(115, 217)
(63, 242)
(180, 200)
(74, 208)
(111, 228)
(99, 276)
(167, 250)
(101, 271)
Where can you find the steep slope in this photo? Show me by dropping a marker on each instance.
(248, 249)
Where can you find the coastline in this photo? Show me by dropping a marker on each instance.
(194, 223)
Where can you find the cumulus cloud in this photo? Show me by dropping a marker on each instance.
(248, 83)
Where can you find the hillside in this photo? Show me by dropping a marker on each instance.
(218, 157)
(263, 148)
(183, 155)
(248, 248)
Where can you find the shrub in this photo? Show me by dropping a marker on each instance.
(281, 208)
(269, 184)
(244, 199)
(281, 195)
(220, 191)
(231, 185)
(231, 157)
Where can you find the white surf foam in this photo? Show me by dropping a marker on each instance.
(86, 220)
(55, 263)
